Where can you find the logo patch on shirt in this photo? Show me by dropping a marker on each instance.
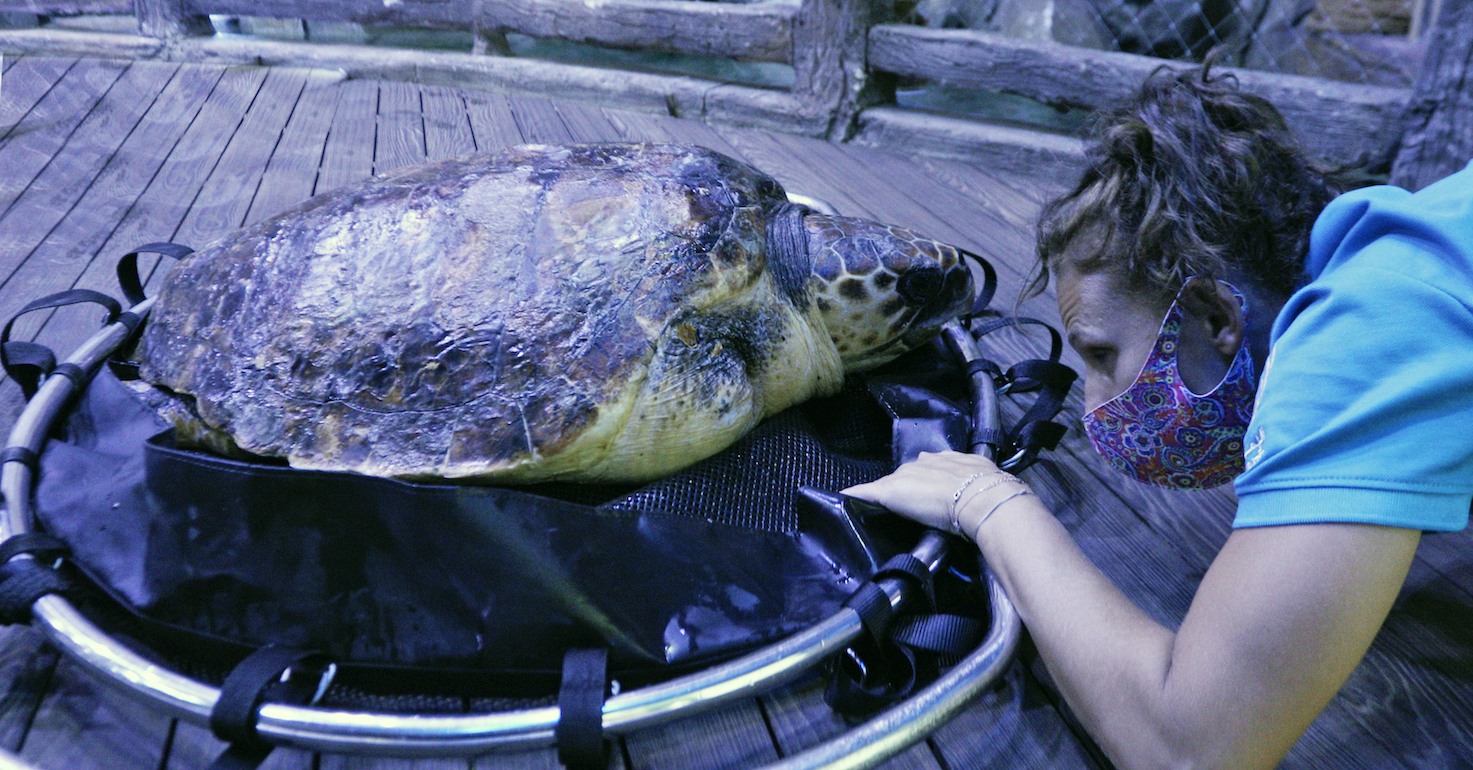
(1253, 452)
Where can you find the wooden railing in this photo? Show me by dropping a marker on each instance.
(843, 53)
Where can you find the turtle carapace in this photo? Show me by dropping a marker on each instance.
(604, 312)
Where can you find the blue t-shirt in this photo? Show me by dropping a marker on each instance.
(1365, 407)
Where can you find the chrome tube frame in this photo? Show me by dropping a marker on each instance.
(465, 734)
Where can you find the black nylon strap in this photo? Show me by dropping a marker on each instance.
(953, 634)
(580, 701)
(39, 544)
(875, 611)
(128, 277)
(27, 362)
(908, 567)
(22, 582)
(1034, 431)
(982, 328)
(989, 283)
(131, 321)
(71, 371)
(1037, 373)
(234, 717)
(22, 455)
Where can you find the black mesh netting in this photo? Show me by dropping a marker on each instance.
(829, 443)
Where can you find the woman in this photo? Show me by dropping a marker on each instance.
(1200, 248)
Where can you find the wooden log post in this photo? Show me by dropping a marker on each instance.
(1437, 133)
(486, 39)
(830, 61)
(170, 20)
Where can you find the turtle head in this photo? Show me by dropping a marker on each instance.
(882, 290)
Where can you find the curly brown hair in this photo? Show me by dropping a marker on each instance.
(1191, 177)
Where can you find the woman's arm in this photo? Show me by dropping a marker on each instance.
(1278, 623)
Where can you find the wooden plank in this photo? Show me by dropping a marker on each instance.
(540, 759)
(28, 79)
(54, 192)
(78, 238)
(27, 663)
(225, 198)
(38, 136)
(80, 726)
(291, 174)
(192, 747)
(725, 739)
(492, 123)
(352, 762)
(400, 140)
(537, 120)
(644, 127)
(794, 172)
(447, 124)
(587, 122)
(1436, 133)
(1012, 725)
(1000, 230)
(348, 154)
(1343, 121)
(155, 214)
(799, 719)
(995, 187)
(1013, 150)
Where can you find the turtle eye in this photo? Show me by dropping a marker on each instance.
(919, 284)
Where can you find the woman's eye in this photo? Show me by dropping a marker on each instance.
(1101, 357)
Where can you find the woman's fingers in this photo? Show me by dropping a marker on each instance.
(923, 489)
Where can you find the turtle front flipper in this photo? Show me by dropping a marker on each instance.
(714, 375)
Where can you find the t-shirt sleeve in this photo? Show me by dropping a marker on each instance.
(1365, 410)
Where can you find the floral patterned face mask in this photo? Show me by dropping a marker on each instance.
(1162, 433)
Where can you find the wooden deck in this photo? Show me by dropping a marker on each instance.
(98, 156)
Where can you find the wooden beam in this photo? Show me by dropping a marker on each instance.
(1438, 125)
(759, 31)
(55, 42)
(1012, 150)
(66, 7)
(1343, 122)
(664, 94)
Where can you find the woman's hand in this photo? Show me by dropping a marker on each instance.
(926, 489)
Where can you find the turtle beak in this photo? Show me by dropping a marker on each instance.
(947, 294)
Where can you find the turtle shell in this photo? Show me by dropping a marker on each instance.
(574, 312)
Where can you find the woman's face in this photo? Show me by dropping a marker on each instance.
(1114, 329)
(1111, 328)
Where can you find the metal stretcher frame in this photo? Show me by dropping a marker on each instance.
(466, 734)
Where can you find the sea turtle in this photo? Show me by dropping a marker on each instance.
(580, 312)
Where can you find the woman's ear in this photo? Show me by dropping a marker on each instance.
(1211, 306)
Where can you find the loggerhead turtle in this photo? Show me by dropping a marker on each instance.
(584, 312)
